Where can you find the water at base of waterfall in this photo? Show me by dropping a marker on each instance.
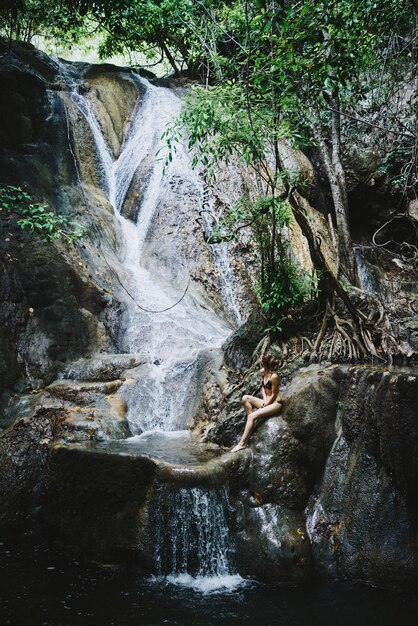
(206, 584)
(42, 587)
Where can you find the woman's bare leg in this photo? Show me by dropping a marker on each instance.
(250, 403)
(252, 419)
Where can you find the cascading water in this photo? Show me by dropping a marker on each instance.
(221, 253)
(368, 274)
(192, 532)
(171, 343)
(193, 545)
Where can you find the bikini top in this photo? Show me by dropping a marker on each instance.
(267, 385)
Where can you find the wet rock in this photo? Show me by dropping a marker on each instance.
(24, 53)
(363, 515)
(21, 106)
(23, 458)
(44, 321)
(239, 347)
(114, 94)
(280, 472)
(273, 545)
(208, 474)
(99, 503)
(103, 367)
(76, 390)
(361, 525)
(213, 386)
(48, 306)
(346, 447)
(89, 410)
(61, 325)
(310, 411)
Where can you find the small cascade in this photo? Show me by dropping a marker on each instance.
(371, 279)
(193, 546)
(367, 280)
(221, 255)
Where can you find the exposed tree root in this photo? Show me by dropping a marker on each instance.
(341, 338)
(355, 325)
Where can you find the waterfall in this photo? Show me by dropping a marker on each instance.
(193, 545)
(366, 278)
(172, 344)
(221, 255)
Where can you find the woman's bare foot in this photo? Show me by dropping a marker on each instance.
(239, 446)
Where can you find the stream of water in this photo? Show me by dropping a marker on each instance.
(172, 342)
(192, 542)
(193, 546)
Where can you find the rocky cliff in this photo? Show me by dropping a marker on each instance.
(326, 488)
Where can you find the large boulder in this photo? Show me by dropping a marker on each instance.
(362, 517)
(338, 468)
(114, 94)
(99, 503)
(272, 544)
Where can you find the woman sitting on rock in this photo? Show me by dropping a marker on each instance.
(268, 406)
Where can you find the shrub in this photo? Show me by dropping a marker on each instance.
(35, 217)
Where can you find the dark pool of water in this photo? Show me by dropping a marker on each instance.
(39, 586)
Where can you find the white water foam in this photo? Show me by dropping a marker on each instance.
(208, 584)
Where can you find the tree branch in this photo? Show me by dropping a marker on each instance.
(362, 121)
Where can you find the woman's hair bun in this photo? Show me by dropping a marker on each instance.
(269, 361)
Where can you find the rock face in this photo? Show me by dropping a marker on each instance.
(98, 504)
(52, 311)
(362, 519)
(343, 459)
(273, 545)
(326, 489)
(24, 451)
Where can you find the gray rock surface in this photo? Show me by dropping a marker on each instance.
(272, 544)
(98, 503)
(24, 453)
(362, 516)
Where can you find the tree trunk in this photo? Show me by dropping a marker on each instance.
(318, 258)
(336, 178)
(170, 58)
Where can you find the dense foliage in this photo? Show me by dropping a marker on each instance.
(320, 75)
(52, 19)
